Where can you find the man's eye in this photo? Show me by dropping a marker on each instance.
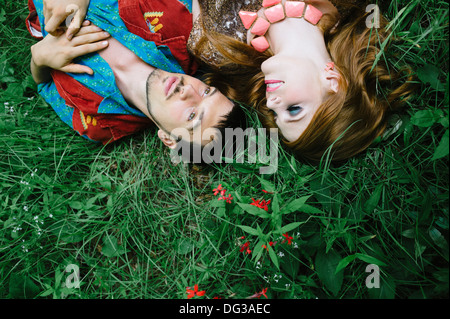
(294, 109)
(207, 91)
(191, 116)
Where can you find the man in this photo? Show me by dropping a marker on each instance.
(139, 74)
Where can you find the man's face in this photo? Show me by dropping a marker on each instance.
(179, 101)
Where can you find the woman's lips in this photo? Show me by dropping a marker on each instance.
(273, 85)
(170, 85)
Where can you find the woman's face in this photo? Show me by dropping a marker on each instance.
(295, 88)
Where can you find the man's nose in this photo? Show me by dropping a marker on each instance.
(187, 91)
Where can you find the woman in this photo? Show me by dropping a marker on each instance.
(317, 78)
(318, 81)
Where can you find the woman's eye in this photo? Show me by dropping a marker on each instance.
(191, 116)
(294, 109)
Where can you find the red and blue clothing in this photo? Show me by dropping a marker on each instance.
(156, 31)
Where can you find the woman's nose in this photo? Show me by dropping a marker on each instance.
(273, 102)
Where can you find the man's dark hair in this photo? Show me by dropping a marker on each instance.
(236, 118)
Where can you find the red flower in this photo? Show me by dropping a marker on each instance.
(271, 243)
(195, 292)
(259, 294)
(228, 199)
(288, 238)
(245, 247)
(261, 204)
(218, 189)
(262, 293)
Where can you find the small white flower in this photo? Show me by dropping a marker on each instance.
(25, 208)
(281, 254)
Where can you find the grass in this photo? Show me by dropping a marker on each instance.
(136, 226)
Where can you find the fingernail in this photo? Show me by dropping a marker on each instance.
(104, 42)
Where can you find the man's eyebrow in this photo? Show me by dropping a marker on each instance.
(213, 92)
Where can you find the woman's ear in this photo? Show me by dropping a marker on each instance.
(167, 139)
(332, 77)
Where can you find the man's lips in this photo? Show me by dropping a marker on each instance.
(170, 85)
(273, 85)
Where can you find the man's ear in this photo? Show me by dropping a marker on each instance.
(167, 139)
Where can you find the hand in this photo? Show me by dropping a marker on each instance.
(58, 52)
(56, 13)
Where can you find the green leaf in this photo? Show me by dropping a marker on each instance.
(438, 238)
(308, 209)
(372, 202)
(22, 287)
(289, 227)
(386, 290)
(344, 262)
(253, 210)
(366, 258)
(370, 260)
(295, 205)
(185, 246)
(325, 267)
(111, 247)
(267, 185)
(275, 205)
(443, 148)
(273, 256)
(67, 230)
(430, 74)
(426, 118)
(76, 205)
(249, 230)
(258, 250)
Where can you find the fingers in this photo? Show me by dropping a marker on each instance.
(89, 37)
(52, 26)
(88, 48)
(86, 30)
(76, 23)
(77, 68)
